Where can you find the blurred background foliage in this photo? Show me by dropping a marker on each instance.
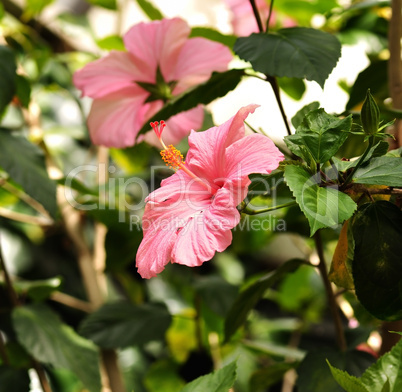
(171, 329)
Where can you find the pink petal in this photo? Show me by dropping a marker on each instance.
(206, 156)
(252, 154)
(113, 120)
(198, 58)
(158, 43)
(206, 232)
(177, 127)
(108, 75)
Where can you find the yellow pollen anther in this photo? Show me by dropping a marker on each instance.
(172, 157)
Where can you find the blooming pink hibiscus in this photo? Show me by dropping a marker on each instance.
(129, 87)
(191, 215)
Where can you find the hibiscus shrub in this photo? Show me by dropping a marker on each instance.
(146, 247)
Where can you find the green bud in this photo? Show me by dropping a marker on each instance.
(370, 115)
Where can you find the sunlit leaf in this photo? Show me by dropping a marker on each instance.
(219, 381)
(150, 10)
(213, 35)
(322, 206)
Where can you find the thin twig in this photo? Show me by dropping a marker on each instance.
(333, 306)
(17, 216)
(257, 16)
(271, 6)
(268, 209)
(71, 301)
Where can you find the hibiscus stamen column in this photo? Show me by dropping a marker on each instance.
(173, 157)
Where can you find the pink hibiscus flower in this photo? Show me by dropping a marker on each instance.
(191, 215)
(129, 87)
(243, 19)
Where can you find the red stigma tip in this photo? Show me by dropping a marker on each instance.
(158, 130)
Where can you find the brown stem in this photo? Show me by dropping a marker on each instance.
(395, 63)
(257, 16)
(275, 88)
(42, 377)
(340, 336)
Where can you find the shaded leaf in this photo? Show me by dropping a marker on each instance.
(322, 206)
(216, 293)
(314, 374)
(249, 297)
(380, 171)
(219, 381)
(23, 90)
(122, 324)
(37, 289)
(7, 76)
(217, 86)
(264, 378)
(377, 265)
(296, 52)
(25, 163)
(16, 380)
(293, 87)
(50, 341)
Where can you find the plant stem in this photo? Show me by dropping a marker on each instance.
(340, 336)
(271, 6)
(17, 216)
(359, 163)
(275, 87)
(268, 209)
(257, 16)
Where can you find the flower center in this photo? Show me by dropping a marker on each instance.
(173, 157)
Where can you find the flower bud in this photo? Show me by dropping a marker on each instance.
(370, 115)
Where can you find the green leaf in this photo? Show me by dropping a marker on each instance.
(111, 42)
(50, 341)
(33, 7)
(322, 206)
(296, 52)
(216, 293)
(16, 380)
(108, 4)
(264, 378)
(121, 324)
(163, 376)
(370, 115)
(23, 90)
(217, 86)
(7, 76)
(213, 35)
(385, 375)
(297, 119)
(150, 10)
(380, 171)
(37, 289)
(25, 163)
(249, 297)
(346, 381)
(219, 381)
(314, 374)
(293, 87)
(376, 266)
(276, 350)
(321, 134)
